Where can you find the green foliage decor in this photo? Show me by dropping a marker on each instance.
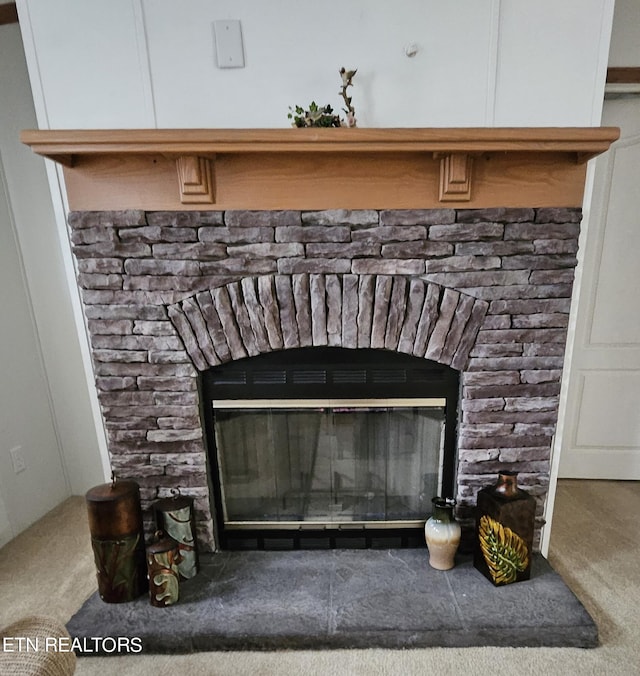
(323, 116)
(315, 116)
(504, 551)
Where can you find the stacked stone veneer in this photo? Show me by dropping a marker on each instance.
(168, 294)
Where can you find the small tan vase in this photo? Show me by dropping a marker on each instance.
(442, 533)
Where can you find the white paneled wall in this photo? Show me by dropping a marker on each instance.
(293, 55)
(44, 401)
(551, 62)
(86, 66)
(143, 63)
(26, 420)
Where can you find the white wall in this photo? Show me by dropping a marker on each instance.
(293, 54)
(26, 420)
(145, 63)
(625, 36)
(44, 405)
(552, 62)
(6, 531)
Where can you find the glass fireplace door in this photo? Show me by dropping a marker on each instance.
(329, 463)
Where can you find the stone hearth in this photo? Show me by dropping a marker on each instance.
(344, 599)
(169, 294)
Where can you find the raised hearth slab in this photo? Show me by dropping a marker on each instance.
(345, 599)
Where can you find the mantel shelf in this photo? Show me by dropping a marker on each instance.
(60, 145)
(318, 168)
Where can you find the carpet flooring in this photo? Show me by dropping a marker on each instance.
(344, 599)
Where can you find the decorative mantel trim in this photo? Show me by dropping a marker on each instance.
(455, 177)
(323, 168)
(196, 179)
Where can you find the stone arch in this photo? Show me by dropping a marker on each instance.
(275, 312)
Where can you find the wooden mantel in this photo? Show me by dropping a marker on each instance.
(163, 169)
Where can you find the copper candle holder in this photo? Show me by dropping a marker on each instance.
(117, 539)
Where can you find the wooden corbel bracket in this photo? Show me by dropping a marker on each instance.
(196, 179)
(455, 176)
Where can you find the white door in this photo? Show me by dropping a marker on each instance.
(601, 434)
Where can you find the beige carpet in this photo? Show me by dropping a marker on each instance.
(48, 569)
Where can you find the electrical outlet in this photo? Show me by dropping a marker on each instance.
(17, 458)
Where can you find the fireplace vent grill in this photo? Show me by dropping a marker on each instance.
(269, 377)
(389, 376)
(351, 376)
(334, 371)
(318, 377)
(227, 377)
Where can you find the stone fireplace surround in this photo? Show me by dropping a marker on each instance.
(168, 294)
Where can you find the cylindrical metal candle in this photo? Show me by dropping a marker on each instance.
(115, 523)
(163, 559)
(175, 516)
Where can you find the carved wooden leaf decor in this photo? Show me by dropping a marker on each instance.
(504, 551)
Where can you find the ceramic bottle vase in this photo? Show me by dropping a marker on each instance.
(442, 533)
(505, 519)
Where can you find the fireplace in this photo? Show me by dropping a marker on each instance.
(450, 247)
(327, 447)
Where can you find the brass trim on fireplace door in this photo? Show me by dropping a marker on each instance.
(309, 404)
(323, 525)
(328, 403)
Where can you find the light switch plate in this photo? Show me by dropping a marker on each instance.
(229, 47)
